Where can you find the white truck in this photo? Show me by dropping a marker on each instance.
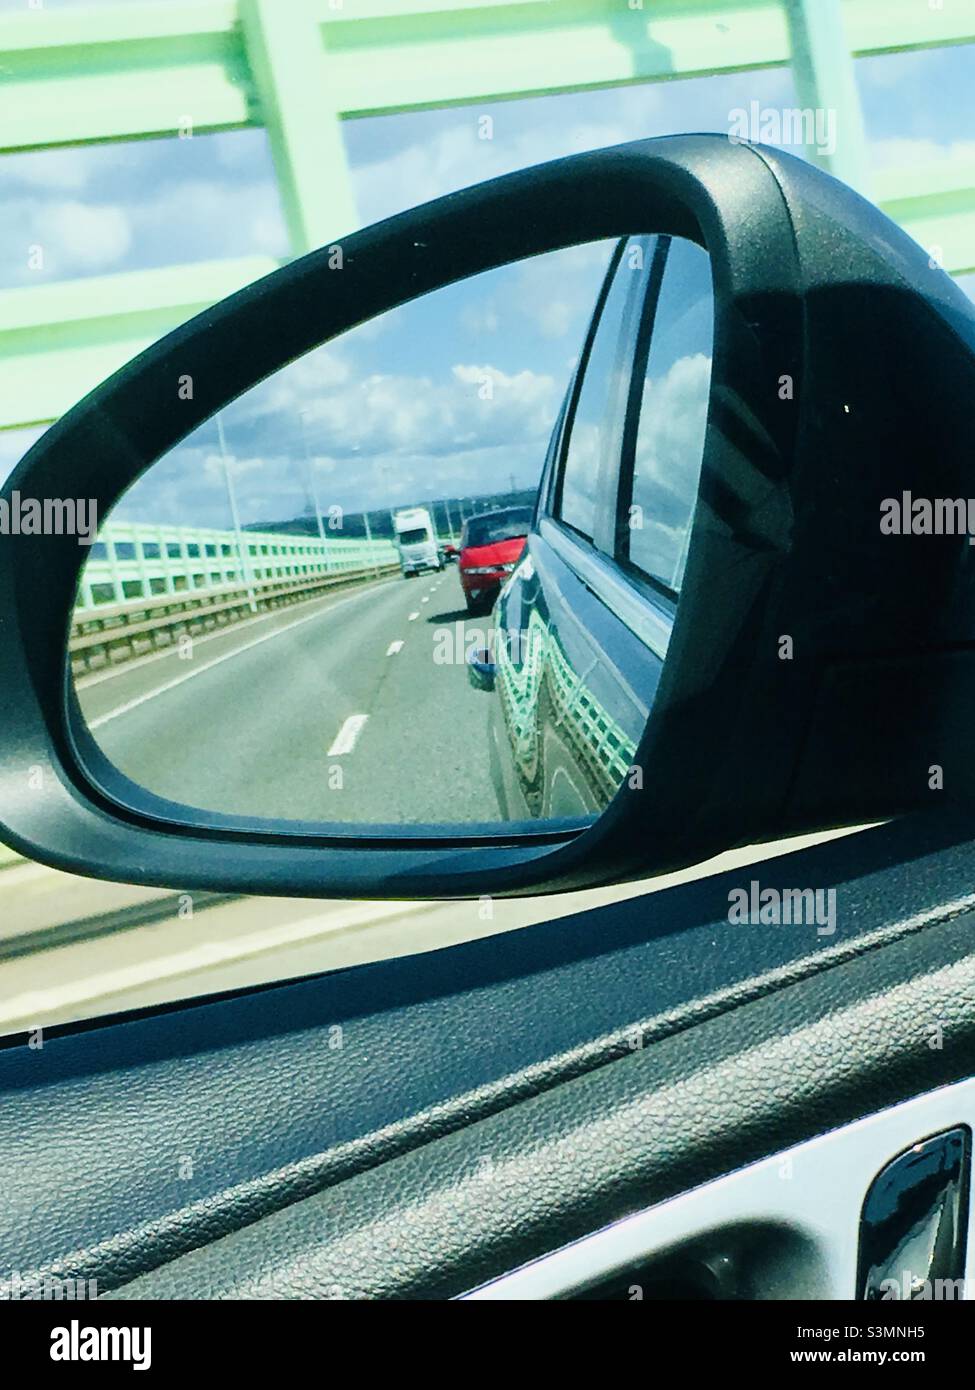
(416, 541)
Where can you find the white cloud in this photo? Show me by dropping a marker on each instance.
(556, 318)
(62, 171)
(378, 440)
(74, 237)
(186, 221)
(382, 413)
(88, 237)
(297, 386)
(557, 293)
(456, 158)
(673, 416)
(239, 468)
(480, 318)
(443, 158)
(196, 213)
(669, 448)
(919, 153)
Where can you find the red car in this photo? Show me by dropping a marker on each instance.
(490, 548)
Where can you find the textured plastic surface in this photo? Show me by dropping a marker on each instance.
(94, 1127)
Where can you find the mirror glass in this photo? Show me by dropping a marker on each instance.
(424, 575)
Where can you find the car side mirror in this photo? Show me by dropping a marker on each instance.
(815, 668)
(481, 670)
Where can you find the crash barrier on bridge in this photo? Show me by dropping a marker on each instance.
(135, 560)
(114, 633)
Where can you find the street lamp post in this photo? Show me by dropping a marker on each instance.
(243, 555)
(312, 490)
(371, 552)
(384, 470)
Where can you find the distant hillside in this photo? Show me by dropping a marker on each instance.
(447, 513)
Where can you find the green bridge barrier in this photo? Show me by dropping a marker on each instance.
(139, 560)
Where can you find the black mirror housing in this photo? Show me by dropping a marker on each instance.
(819, 670)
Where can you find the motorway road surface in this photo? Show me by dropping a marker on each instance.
(333, 710)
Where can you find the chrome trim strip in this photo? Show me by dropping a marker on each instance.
(648, 621)
(815, 1190)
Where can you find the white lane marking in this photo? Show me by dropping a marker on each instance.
(413, 616)
(347, 736)
(217, 661)
(393, 648)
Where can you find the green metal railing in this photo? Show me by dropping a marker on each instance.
(133, 560)
(301, 67)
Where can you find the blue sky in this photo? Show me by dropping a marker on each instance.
(452, 395)
(101, 209)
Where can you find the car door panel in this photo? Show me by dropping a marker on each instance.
(120, 1149)
(805, 1059)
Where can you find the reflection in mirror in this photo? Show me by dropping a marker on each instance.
(334, 601)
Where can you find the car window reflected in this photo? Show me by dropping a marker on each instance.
(673, 417)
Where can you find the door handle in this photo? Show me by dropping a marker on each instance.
(914, 1222)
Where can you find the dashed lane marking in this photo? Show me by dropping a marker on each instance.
(320, 613)
(348, 735)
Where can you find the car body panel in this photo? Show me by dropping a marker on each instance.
(567, 717)
(577, 637)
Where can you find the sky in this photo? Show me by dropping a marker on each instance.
(452, 393)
